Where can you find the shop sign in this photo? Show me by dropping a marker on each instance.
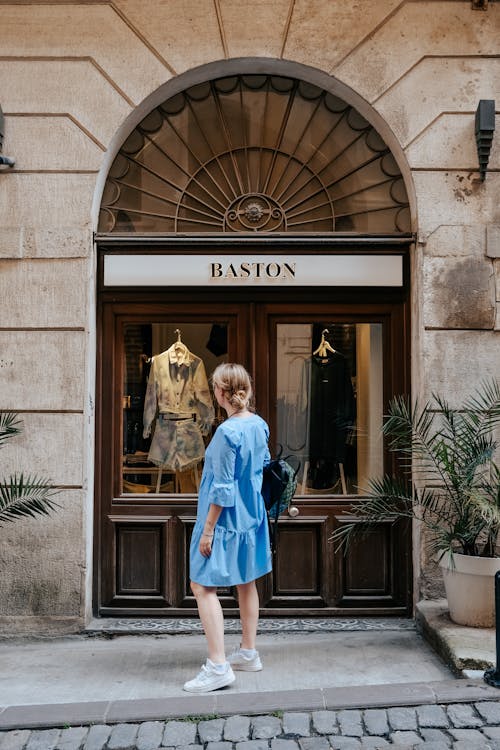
(257, 270)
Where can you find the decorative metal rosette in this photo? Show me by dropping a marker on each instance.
(254, 213)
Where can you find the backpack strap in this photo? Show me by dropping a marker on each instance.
(295, 471)
(272, 534)
(272, 520)
(279, 453)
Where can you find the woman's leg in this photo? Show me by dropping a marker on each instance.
(248, 600)
(212, 619)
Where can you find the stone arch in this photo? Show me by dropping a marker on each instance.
(311, 84)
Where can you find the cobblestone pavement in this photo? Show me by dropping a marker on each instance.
(459, 726)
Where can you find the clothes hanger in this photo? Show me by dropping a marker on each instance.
(324, 345)
(178, 349)
(178, 346)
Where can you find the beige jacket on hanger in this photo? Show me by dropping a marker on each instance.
(178, 386)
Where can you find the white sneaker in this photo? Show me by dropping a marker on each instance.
(243, 663)
(208, 679)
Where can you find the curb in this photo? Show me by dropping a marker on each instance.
(461, 648)
(227, 703)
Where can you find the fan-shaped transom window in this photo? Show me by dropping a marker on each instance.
(254, 153)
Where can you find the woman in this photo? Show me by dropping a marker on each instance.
(230, 542)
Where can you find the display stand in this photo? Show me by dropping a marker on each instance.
(146, 471)
(176, 479)
(342, 478)
(158, 481)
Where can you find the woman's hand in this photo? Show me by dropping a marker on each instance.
(207, 537)
(206, 544)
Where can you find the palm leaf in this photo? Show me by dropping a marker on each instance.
(486, 498)
(426, 446)
(10, 425)
(22, 496)
(448, 453)
(408, 428)
(484, 406)
(387, 500)
(413, 437)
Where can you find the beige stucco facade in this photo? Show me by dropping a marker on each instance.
(75, 77)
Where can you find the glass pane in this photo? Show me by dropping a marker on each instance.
(169, 411)
(254, 153)
(330, 403)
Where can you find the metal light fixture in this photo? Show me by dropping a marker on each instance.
(5, 161)
(485, 125)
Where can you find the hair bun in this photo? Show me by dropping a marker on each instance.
(235, 382)
(239, 399)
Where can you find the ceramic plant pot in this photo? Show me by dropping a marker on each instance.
(470, 589)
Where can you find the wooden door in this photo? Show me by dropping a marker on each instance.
(144, 517)
(310, 576)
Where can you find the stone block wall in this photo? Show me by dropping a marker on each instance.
(70, 74)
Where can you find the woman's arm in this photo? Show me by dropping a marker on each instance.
(213, 514)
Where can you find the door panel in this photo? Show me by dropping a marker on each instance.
(301, 570)
(367, 567)
(375, 570)
(146, 514)
(139, 555)
(298, 565)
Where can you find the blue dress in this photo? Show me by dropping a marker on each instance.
(232, 478)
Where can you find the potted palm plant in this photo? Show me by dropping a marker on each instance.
(21, 495)
(446, 479)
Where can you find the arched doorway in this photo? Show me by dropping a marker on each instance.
(263, 219)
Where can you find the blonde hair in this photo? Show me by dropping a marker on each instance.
(236, 383)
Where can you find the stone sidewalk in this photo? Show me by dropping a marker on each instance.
(126, 694)
(456, 726)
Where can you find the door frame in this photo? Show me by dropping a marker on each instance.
(275, 302)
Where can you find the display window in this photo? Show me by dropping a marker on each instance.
(328, 406)
(330, 402)
(169, 410)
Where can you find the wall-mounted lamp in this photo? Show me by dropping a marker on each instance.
(5, 161)
(485, 125)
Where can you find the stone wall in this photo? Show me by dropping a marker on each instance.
(71, 72)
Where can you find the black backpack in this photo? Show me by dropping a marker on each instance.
(279, 483)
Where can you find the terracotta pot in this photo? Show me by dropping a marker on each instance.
(470, 589)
